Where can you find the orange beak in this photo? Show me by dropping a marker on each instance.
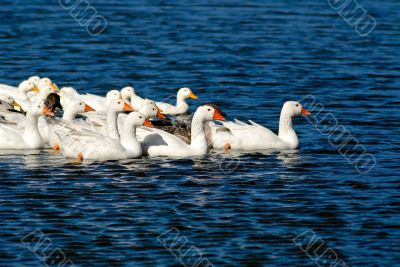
(147, 123)
(89, 108)
(193, 96)
(128, 108)
(159, 115)
(305, 112)
(47, 112)
(218, 116)
(54, 87)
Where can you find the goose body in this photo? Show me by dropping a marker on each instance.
(156, 142)
(89, 145)
(28, 137)
(181, 107)
(243, 136)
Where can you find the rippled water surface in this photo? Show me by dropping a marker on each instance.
(250, 56)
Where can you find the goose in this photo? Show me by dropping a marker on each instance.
(100, 103)
(156, 142)
(181, 106)
(13, 137)
(242, 136)
(89, 145)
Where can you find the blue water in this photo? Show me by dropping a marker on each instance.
(250, 56)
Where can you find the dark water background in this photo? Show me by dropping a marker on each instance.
(250, 56)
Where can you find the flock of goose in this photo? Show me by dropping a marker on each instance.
(123, 125)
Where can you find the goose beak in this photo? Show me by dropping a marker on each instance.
(305, 112)
(35, 89)
(47, 112)
(147, 123)
(159, 114)
(89, 108)
(128, 108)
(218, 117)
(54, 87)
(193, 96)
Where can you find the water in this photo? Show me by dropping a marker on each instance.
(250, 57)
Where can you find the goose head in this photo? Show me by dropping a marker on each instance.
(209, 113)
(34, 79)
(185, 93)
(27, 86)
(75, 107)
(47, 82)
(52, 101)
(7, 99)
(119, 106)
(127, 93)
(294, 109)
(136, 119)
(150, 110)
(113, 95)
(69, 92)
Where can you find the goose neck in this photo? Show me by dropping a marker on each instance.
(198, 136)
(129, 140)
(112, 124)
(286, 131)
(31, 134)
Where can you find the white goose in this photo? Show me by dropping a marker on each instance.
(157, 142)
(89, 145)
(181, 106)
(243, 136)
(13, 137)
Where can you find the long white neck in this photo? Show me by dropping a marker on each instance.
(69, 114)
(181, 101)
(112, 124)
(32, 136)
(286, 131)
(199, 141)
(129, 140)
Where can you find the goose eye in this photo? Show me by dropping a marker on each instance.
(154, 109)
(119, 102)
(209, 109)
(140, 117)
(297, 105)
